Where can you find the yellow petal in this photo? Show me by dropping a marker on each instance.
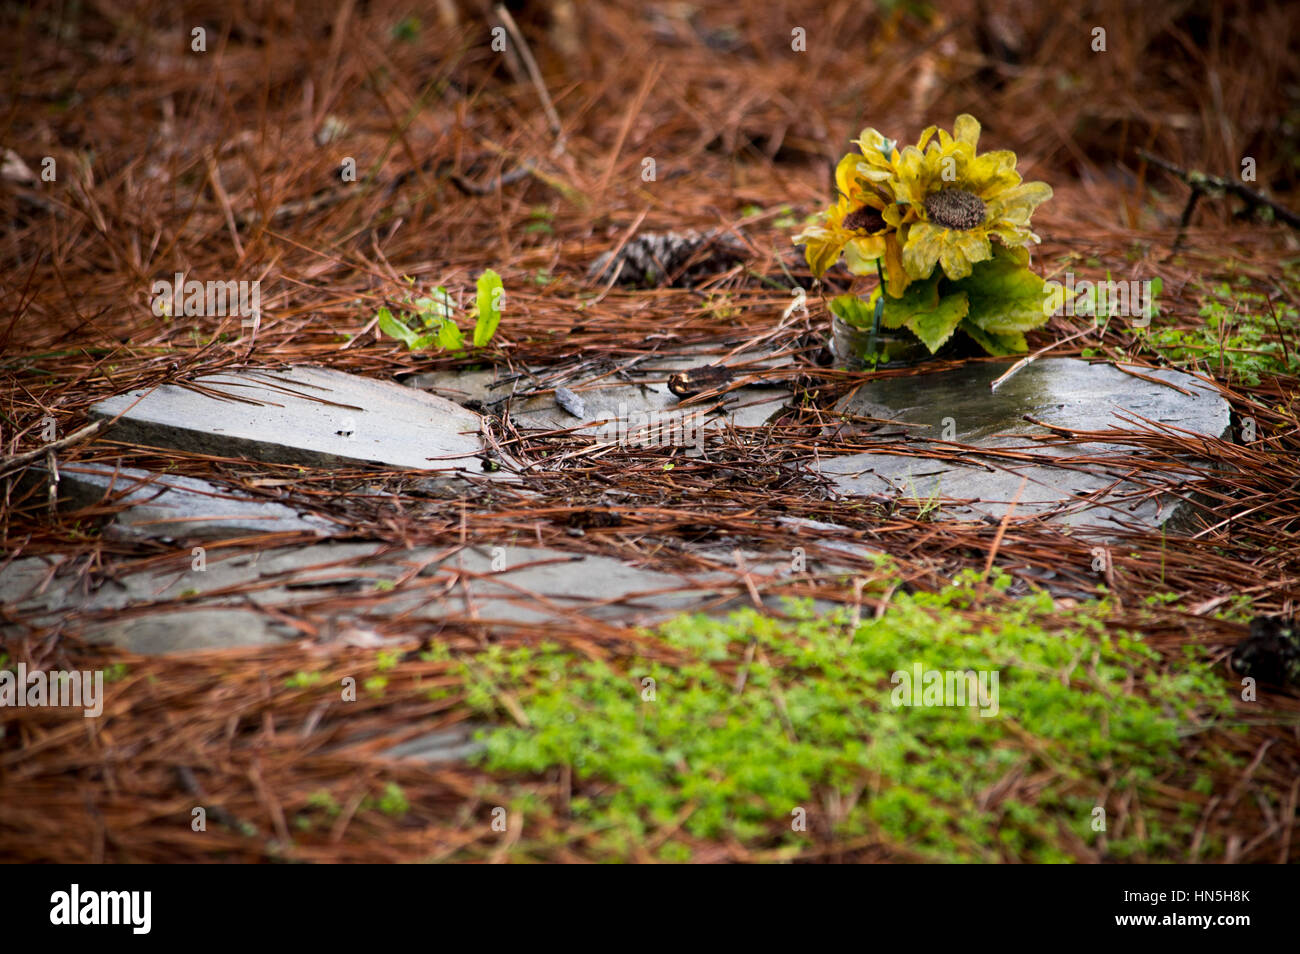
(846, 171)
(921, 253)
(966, 128)
(861, 254)
(874, 175)
(1010, 236)
(991, 173)
(911, 178)
(960, 250)
(1016, 205)
(873, 146)
(821, 248)
(896, 277)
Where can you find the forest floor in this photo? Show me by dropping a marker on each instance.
(756, 724)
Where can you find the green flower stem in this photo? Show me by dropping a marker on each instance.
(880, 310)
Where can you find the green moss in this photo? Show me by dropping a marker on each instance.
(303, 680)
(814, 727)
(393, 801)
(322, 800)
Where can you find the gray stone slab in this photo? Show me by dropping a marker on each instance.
(301, 415)
(463, 387)
(189, 630)
(516, 585)
(647, 412)
(27, 580)
(281, 576)
(613, 405)
(537, 584)
(1062, 392)
(357, 588)
(166, 505)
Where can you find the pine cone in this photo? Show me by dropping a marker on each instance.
(676, 258)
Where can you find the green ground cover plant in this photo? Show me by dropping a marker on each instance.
(810, 724)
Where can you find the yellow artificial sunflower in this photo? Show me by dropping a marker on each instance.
(862, 225)
(956, 201)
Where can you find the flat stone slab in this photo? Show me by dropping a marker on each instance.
(241, 598)
(190, 630)
(353, 583)
(301, 415)
(629, 408)
(1062, 392)
(537, 585)
(167, 505)
(473, 386)
(649, 413)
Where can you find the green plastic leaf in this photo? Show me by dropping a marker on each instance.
(920, 298)
(936, 326)
(396, 329)
(1005, 297)
(853, 310)
(995, 344)
(1015, 253)
(491, 296)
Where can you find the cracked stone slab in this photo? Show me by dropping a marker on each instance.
(647, 412)
(168, 505)
(613, 404)
(1061, 392)
(301, 415)
(39, 590)
(539, 584)
(359, 581)
(345, 587)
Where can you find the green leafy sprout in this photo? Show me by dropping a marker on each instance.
(429, 321)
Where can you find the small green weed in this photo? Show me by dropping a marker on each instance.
(429, 321)
(1240, 337)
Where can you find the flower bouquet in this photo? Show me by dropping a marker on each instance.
(900, 214)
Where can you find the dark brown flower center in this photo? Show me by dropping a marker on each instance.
(955, 209)
(864, 219)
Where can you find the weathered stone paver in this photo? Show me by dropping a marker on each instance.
(361, 585)
(626, 408)
(190, 630)
(1062, 392)
(231, 597)
(168, 505)
(301, 415)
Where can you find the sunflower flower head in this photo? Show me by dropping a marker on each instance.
(862, 225)
(957, 201)
(853, 225)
